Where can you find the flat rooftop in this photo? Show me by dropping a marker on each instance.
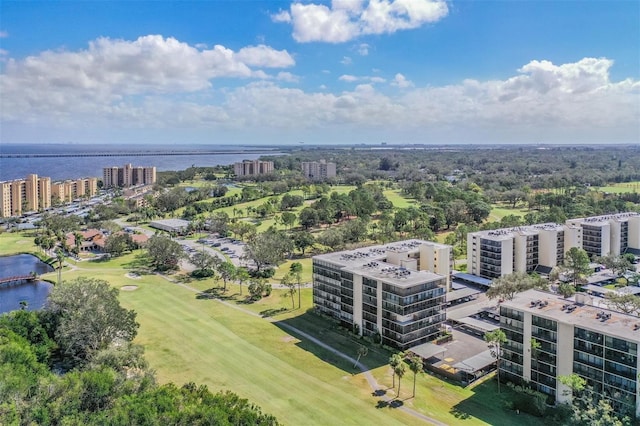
(584, 315)
(371, 262)
(393, 274)
(508, 233)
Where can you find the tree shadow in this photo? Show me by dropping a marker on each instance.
(490, 407)
(272, 312)
(328, 332)
(139, 262)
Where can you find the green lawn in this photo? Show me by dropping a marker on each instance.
(225, 347)
(500, 210)
(396, 198)
(620, 188)
(17, 242)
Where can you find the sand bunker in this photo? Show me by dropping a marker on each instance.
(129, 287)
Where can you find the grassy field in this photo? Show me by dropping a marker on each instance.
(620, 188)
(230, 346)
(396, 198)
(16, 242)
(500, 210)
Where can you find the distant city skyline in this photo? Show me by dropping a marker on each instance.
(320, 72)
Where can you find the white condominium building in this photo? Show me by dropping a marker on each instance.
(495, 253)
(599, 345)
(395, 290)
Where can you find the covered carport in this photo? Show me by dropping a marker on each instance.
(475, 367)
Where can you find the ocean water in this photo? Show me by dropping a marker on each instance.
(90, 165)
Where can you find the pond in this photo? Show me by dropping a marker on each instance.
(33, 293)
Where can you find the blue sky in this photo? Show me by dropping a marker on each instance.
(350, 71)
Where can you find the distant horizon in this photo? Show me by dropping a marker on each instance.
(334, 72)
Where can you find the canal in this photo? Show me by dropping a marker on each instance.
(34, 293)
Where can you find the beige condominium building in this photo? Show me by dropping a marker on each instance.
(253, 168)
(128, 176)
(499, 252)
(24, 195)
(318, 170)
(69, 190)
(395, 290)
(599, 345)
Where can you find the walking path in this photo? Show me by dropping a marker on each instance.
(373, 384)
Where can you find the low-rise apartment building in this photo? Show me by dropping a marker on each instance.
(318, 170)
(395, 290)
(499, 252)
(253, 168)
(599, 345)
(128, 175)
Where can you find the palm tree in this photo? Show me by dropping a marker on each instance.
(60, 258)
(394, 361)
(495, 339)
(362, 351)
(416, 366)
(400, 370)
(296, 269)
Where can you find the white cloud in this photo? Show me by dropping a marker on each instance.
(111, 69)
(264, 56)
(351, 78)
(281, 16)
(346, 60)
(348, 19)
(4, 34)
(347, 77)
(288, 77)
(573, 102)
(401, 81)
(363, 49)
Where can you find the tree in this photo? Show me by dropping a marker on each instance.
(495, 339)
(535, 347)
(362, 351)
(566, 290)
(394, 361)
(619, 264)
(308, 217)
(332, 238)
(227, 271)
(399, 371)
(60, 257)
(89, 317)
(296, 270)
(627, 303)
(205, 261)
(289, 282)
(242, 275)
(507, 286)
(576, 264)
(417, 367)
(118, 243)
(268, 248)
(288, 219)
(165, 253)
(302, 240)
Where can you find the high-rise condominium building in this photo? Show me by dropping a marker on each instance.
(128, 176)
(318, 170)
(23, 195)
(492, 254)
(599, 345)
(253, 168)
(69, 190)
(395, 290)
